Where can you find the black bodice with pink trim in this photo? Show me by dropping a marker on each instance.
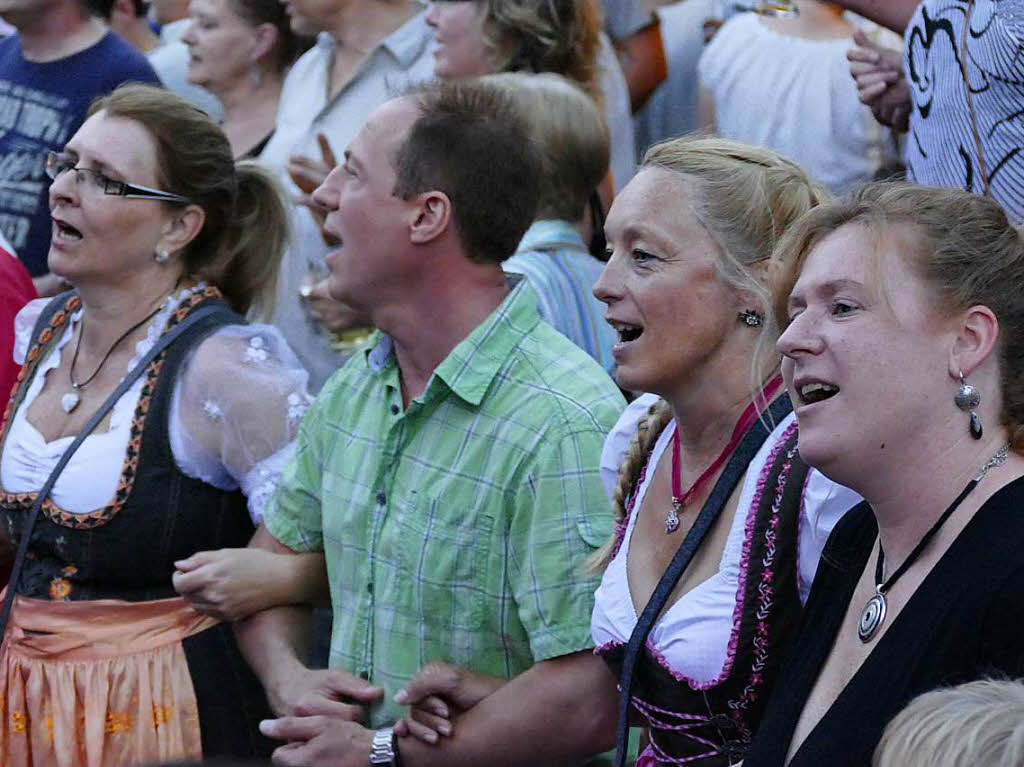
(714, 726)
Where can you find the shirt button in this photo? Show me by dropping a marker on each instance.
(369, 588)
(381, 498)
(394, 410)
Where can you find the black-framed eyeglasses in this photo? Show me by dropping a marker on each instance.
(57, 165)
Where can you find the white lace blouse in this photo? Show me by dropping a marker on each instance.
(693, 634)
(235, 411)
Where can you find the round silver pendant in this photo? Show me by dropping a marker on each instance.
(871, 617)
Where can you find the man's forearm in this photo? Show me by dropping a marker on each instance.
(894, 14)
(559, 712)
(276, 642)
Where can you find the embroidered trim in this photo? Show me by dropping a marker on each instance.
(765, 589)
(126, 481)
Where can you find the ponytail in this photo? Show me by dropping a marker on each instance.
(246, 265)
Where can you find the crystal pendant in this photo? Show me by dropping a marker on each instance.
(69, 401)
(672, 518)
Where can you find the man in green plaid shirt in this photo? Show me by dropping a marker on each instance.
(449, 472)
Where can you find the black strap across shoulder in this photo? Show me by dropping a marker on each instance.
(723, 489)
(162, 343)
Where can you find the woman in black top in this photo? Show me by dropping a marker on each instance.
(903, 356)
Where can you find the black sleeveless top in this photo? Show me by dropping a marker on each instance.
(127, 549)
(962, 623)
(714, 726)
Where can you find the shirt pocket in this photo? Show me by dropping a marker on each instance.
(444, 554)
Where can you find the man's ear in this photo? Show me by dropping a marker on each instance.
(975, 339)
(432, 216)
(182, 228)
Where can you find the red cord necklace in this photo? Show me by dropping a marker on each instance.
(679, 498)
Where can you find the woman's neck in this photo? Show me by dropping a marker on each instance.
(250, 109)
(707, 415)
(908, 493)
(111, 309)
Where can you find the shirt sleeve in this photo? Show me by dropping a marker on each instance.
(293, 514)
(236, 409)
(617, 442)
(24, 321)
(560, 517)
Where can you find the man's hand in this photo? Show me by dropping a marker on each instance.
(329, 692)
(308, 173)
(436, 694)
(318, 741)
(878, 72)
(333, 315)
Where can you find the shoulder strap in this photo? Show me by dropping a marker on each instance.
(162, 343)
(55, 305)
(734, 469)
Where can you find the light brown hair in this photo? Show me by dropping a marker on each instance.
(240, 245)
(560, 36)
(745, 197)
(570, 134)
(968, 253)
(977, 724)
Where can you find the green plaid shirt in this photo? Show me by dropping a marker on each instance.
(455, 529)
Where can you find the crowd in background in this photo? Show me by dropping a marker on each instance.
(525, 382)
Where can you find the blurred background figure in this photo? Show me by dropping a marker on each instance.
(476, 37)
(16, 290)
(976, 724)
(240, 51)
(364, 50)
(573, 141)
(43, 106)
(958, 88)
(784, 83)
(170, 57)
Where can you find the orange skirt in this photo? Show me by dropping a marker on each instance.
(99, 683)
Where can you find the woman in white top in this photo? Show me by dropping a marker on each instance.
(102, 663)
(784, 83)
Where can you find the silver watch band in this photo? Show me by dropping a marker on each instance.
(382, 750)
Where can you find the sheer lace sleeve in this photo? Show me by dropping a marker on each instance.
(24, 321)
(236, 410)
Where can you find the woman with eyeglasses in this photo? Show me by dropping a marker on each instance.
(102, 664)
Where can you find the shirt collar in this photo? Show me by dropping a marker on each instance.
(472, 365)
(406, 44)
(551, 233)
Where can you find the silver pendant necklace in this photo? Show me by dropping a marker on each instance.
(873, 614)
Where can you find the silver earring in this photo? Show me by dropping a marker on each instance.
(752, 318)
(967, 398)
(161, 256)
(256, 75)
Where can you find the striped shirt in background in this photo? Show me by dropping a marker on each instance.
(554, 260)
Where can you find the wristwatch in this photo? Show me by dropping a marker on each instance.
(382, 751)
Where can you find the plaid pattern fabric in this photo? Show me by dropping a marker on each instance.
(455, 529)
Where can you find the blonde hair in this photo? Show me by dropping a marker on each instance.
(570, 133)
(240, 245)
(967, 251)
(560, 36)
(978, 724)
(745, 197)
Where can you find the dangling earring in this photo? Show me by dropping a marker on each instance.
(161, 256)
(967, 398)
(256, 75)
(752, 318)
